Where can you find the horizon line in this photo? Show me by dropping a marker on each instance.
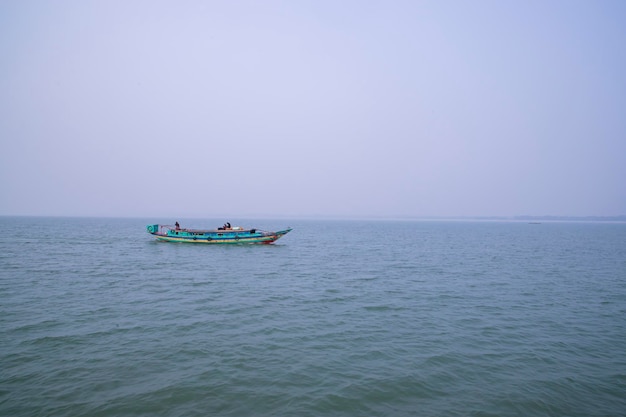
(523, 217)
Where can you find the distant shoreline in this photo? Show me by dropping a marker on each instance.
(573, 218)
(530, 219)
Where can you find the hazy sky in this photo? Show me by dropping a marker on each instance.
(305, 108)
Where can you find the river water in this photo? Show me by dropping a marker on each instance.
(340, 318)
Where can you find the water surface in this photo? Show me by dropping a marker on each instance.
(342, 318)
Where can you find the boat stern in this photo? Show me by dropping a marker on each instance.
(152, 228)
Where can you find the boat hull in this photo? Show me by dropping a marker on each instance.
(237, 236)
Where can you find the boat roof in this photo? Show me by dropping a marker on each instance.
(232, 229)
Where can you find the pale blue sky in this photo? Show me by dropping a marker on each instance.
(306, 108)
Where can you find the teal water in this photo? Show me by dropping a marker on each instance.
(340, 318)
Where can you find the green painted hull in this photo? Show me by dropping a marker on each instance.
(235, 236)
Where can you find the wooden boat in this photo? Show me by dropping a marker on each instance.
(232, 235)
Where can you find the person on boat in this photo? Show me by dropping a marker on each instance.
(177, 226)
